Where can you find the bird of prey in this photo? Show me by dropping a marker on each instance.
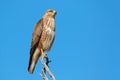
(42, 38)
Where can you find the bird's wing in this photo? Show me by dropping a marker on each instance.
(36, 36)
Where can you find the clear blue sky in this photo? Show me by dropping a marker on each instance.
(87, 43)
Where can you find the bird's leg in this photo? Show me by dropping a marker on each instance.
(43, 54)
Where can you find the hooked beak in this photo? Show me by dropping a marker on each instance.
(55, 12)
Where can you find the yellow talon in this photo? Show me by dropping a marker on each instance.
(43, 54)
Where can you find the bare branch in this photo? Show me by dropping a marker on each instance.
(44, 75)
(46, 68)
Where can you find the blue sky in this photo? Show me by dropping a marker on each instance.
(87, 43)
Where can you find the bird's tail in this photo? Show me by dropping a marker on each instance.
(33, 60)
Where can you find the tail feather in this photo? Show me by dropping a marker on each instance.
(33, 60)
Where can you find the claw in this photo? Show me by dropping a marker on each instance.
(43, 54)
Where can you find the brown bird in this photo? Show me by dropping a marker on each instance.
(42, 38)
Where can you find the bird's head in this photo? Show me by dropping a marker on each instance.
(50, 13)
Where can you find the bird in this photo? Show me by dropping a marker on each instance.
(42, 38)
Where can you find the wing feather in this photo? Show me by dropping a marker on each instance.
(36, 36)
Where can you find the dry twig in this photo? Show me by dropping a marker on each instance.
(46, 69)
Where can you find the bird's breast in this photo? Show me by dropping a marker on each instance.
(47, 38)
